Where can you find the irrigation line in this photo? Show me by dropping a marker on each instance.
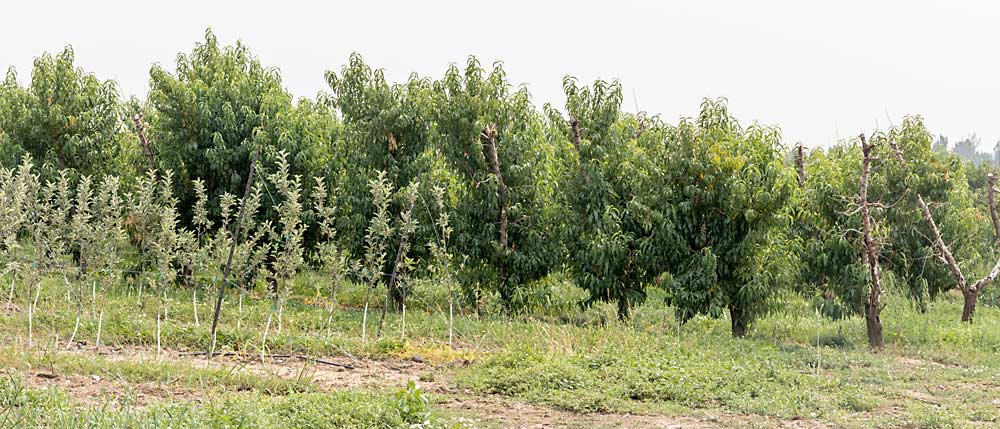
(276, 356)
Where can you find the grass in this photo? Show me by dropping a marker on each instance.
(50, 407)
(144, 369)
(935, 372)
(190, 396)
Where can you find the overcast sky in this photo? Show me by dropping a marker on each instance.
(815, 69)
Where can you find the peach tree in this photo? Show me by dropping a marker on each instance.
(494, 144)
(618, 231)
(731, 209)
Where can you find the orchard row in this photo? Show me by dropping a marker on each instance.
(464, 180)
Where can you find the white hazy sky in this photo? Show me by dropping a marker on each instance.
(815, 69)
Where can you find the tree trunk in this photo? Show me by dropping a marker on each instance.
(623, 309)
(739, 320)
(575, 126)
(146, 150)
(873, 321)
(800, 164)
(946, 256)
(873, 303)
(969, 292)
(991, 182)
(394, 293)
(969, 306)
(488, 137)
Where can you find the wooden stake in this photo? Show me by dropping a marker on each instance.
(232, 249)
(194, 304)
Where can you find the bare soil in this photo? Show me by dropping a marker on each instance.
(491, 411)
(95, 390)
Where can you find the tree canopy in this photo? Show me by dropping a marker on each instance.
(65, 118)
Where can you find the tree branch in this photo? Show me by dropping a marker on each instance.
(488, 136)
(800, 164)
(991, 181)
(946, 255)
(143, 141)
(870, 255)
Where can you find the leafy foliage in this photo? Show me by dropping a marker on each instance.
(385, 134)
(287, 239)
(18, 198)
(220, 104)
(732, 199)
(495, 142)
(65, 119)
(620, 235)
(411, 404)
(937, 177)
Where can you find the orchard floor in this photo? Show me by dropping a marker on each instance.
(554, 367)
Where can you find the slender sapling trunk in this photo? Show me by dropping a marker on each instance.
(263, 341)
(76, 327)
(194, 304)
(364, 317)
(159, 309)
(100, 324)
(10, 295)
(281, 310)
(31, 314)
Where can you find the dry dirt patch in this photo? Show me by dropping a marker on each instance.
(95, 390)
